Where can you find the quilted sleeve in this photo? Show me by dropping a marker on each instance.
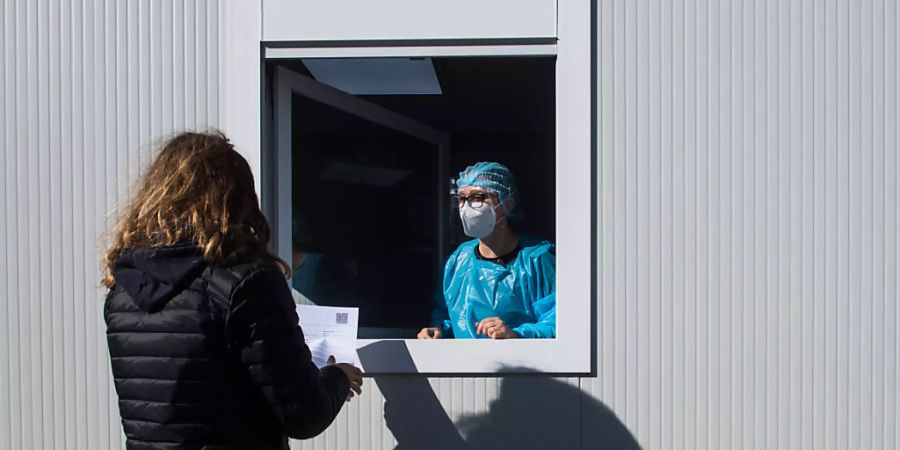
(263, 329)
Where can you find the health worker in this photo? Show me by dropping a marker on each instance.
(500, 285)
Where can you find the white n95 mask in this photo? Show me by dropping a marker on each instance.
(478, 223)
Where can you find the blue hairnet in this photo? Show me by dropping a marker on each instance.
(492, 177)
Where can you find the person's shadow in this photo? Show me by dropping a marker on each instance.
(531, 412)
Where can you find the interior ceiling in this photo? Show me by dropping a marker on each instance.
(482, 95)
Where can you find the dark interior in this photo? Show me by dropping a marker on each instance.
(365, 195)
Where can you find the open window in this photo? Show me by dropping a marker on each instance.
(364, 145)
(361, 199)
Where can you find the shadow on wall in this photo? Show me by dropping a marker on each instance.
(530, 412)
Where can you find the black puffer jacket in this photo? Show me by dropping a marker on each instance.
(208, 357)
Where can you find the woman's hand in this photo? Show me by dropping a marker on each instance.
(430, 333)
(353, 374)
(494, 328)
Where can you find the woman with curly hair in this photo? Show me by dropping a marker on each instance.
(203, 336)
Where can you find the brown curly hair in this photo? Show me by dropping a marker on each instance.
(199, 190)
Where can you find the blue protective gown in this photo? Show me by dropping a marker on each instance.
(522, 293)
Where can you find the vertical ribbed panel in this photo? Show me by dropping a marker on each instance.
(453, 413)
(87, 89)
(748, 230)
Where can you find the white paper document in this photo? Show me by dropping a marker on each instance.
(330, 331)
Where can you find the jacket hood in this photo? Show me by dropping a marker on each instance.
(153, 276)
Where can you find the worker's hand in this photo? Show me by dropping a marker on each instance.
(430, 333)
(353, 374)
(494, 328)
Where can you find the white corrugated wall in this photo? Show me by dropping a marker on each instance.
(86, 88)
(748, 253)
(749, 187)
